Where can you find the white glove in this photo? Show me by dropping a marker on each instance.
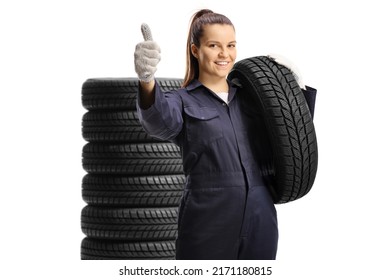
(146, 56)
(289, 65)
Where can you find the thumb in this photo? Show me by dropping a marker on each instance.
(146, 33)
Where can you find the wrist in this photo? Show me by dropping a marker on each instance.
(147, 87)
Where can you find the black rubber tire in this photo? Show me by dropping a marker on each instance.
(118, 93)
(114, 126)
(132, 224)
(288, 121)
(131, 151)
(132, 159)
(119, 134)
(96, 249)
(110, 118)
(135, 167)
(147, 191)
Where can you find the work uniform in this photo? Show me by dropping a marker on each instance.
(226, 211)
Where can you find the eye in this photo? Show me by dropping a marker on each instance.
(213, 45)
(231, 46)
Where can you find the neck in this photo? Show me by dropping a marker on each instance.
(216, 85)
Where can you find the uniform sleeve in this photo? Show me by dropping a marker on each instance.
(163, 120)
(310, 96)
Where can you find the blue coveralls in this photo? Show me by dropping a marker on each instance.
(226, 210)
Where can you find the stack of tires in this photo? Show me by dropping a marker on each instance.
(133, 183)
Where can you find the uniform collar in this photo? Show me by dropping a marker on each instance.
(233, 84)
(196, 84)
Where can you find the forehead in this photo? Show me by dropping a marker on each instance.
(219, 33)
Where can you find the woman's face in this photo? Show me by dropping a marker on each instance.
(217, 52)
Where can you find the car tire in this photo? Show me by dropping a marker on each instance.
(289, 124)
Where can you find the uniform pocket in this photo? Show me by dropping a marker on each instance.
(203, 124)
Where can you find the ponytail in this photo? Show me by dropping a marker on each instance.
(195, 33)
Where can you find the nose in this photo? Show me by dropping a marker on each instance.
(223, 52)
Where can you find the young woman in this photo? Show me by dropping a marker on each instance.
(226, 210)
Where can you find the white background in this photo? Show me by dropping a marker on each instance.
(49, 48)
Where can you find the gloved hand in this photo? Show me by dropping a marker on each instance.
(289, 65)
(146, 56)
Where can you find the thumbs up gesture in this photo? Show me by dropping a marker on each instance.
(146, 56)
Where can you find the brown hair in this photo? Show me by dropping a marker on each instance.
(199, 19)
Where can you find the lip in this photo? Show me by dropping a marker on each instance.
(222, 63)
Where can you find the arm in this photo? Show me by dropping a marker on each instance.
(163, 118)
(310, 96)
(147, 94)
(158, 112)
(146, 58)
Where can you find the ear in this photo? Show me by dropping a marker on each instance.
(194, 50)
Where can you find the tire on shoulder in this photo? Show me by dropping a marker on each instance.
(288, 121)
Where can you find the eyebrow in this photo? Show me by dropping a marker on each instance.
(211, 41)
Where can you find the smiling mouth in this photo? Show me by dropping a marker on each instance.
(222, 63)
